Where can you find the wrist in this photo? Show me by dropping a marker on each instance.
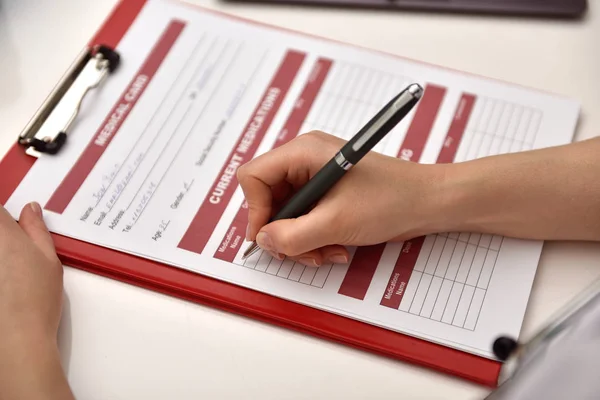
(441, 202)
(438, 199)
(464, 195)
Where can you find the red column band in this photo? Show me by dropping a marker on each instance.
(234, 238)
(457, 129)
(65, 192)
(118, 23)
(361, 270)
(396, 287)
(402, 271)
(362, 267)
(422, 123)
(211, 210)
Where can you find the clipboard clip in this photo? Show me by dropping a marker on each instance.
(99, 61)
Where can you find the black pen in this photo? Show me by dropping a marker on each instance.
(348, 156)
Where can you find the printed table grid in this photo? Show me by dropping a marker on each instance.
(450, 279)
(350, 96)
(499, 127)
(288, 269)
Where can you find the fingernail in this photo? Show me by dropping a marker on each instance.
(248, 232)
(35, 207)
(276, 255)
(309, 262)
(338, 259)
(264, 241)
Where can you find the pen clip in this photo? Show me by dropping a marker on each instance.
(411, 94)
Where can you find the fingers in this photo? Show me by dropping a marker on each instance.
(259, 199)
(335, 254)
(271, 176)
(294, 237)
(258, 179)
(32, 223)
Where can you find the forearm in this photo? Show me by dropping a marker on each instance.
(31, 369)
(550, 194)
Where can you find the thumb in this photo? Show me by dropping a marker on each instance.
(32, 223)
(296, 236)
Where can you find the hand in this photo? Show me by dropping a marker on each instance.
(30, 308)
(381, 199)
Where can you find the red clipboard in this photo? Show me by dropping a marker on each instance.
(225, 296)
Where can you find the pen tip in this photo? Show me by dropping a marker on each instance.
(253, 248)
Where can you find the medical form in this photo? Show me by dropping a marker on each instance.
(150, 168)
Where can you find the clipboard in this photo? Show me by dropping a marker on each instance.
(197, 288)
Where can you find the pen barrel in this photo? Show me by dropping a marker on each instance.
(378, 127)
(312, 192)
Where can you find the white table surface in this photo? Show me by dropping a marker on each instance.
(121, 342)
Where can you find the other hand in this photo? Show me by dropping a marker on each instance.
(31, 287)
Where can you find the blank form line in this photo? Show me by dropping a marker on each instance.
(356, 104)
(443, 279)
(432, 275)
(335, 80)
(462, 257)
(466, 277)
(421, 277)
(487, 123)
(369, 92)
(494, 136)
(475, 126)
(491, 275)
(504, 135)
(314, 275)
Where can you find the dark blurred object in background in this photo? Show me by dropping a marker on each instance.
(538, 8)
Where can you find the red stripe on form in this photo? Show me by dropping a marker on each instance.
(63, 195)
(402, 271)
(457, 129)
(422, 123)
(211, 210)
(292, 126)
(361, 270)
(364, 263)
(236, 233)
(117, 24)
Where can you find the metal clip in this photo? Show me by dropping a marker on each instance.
(104, 61)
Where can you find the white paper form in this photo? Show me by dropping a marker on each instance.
(150, 167)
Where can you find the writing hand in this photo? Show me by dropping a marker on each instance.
(381, 199)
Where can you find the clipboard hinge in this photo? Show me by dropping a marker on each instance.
(104, 60)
